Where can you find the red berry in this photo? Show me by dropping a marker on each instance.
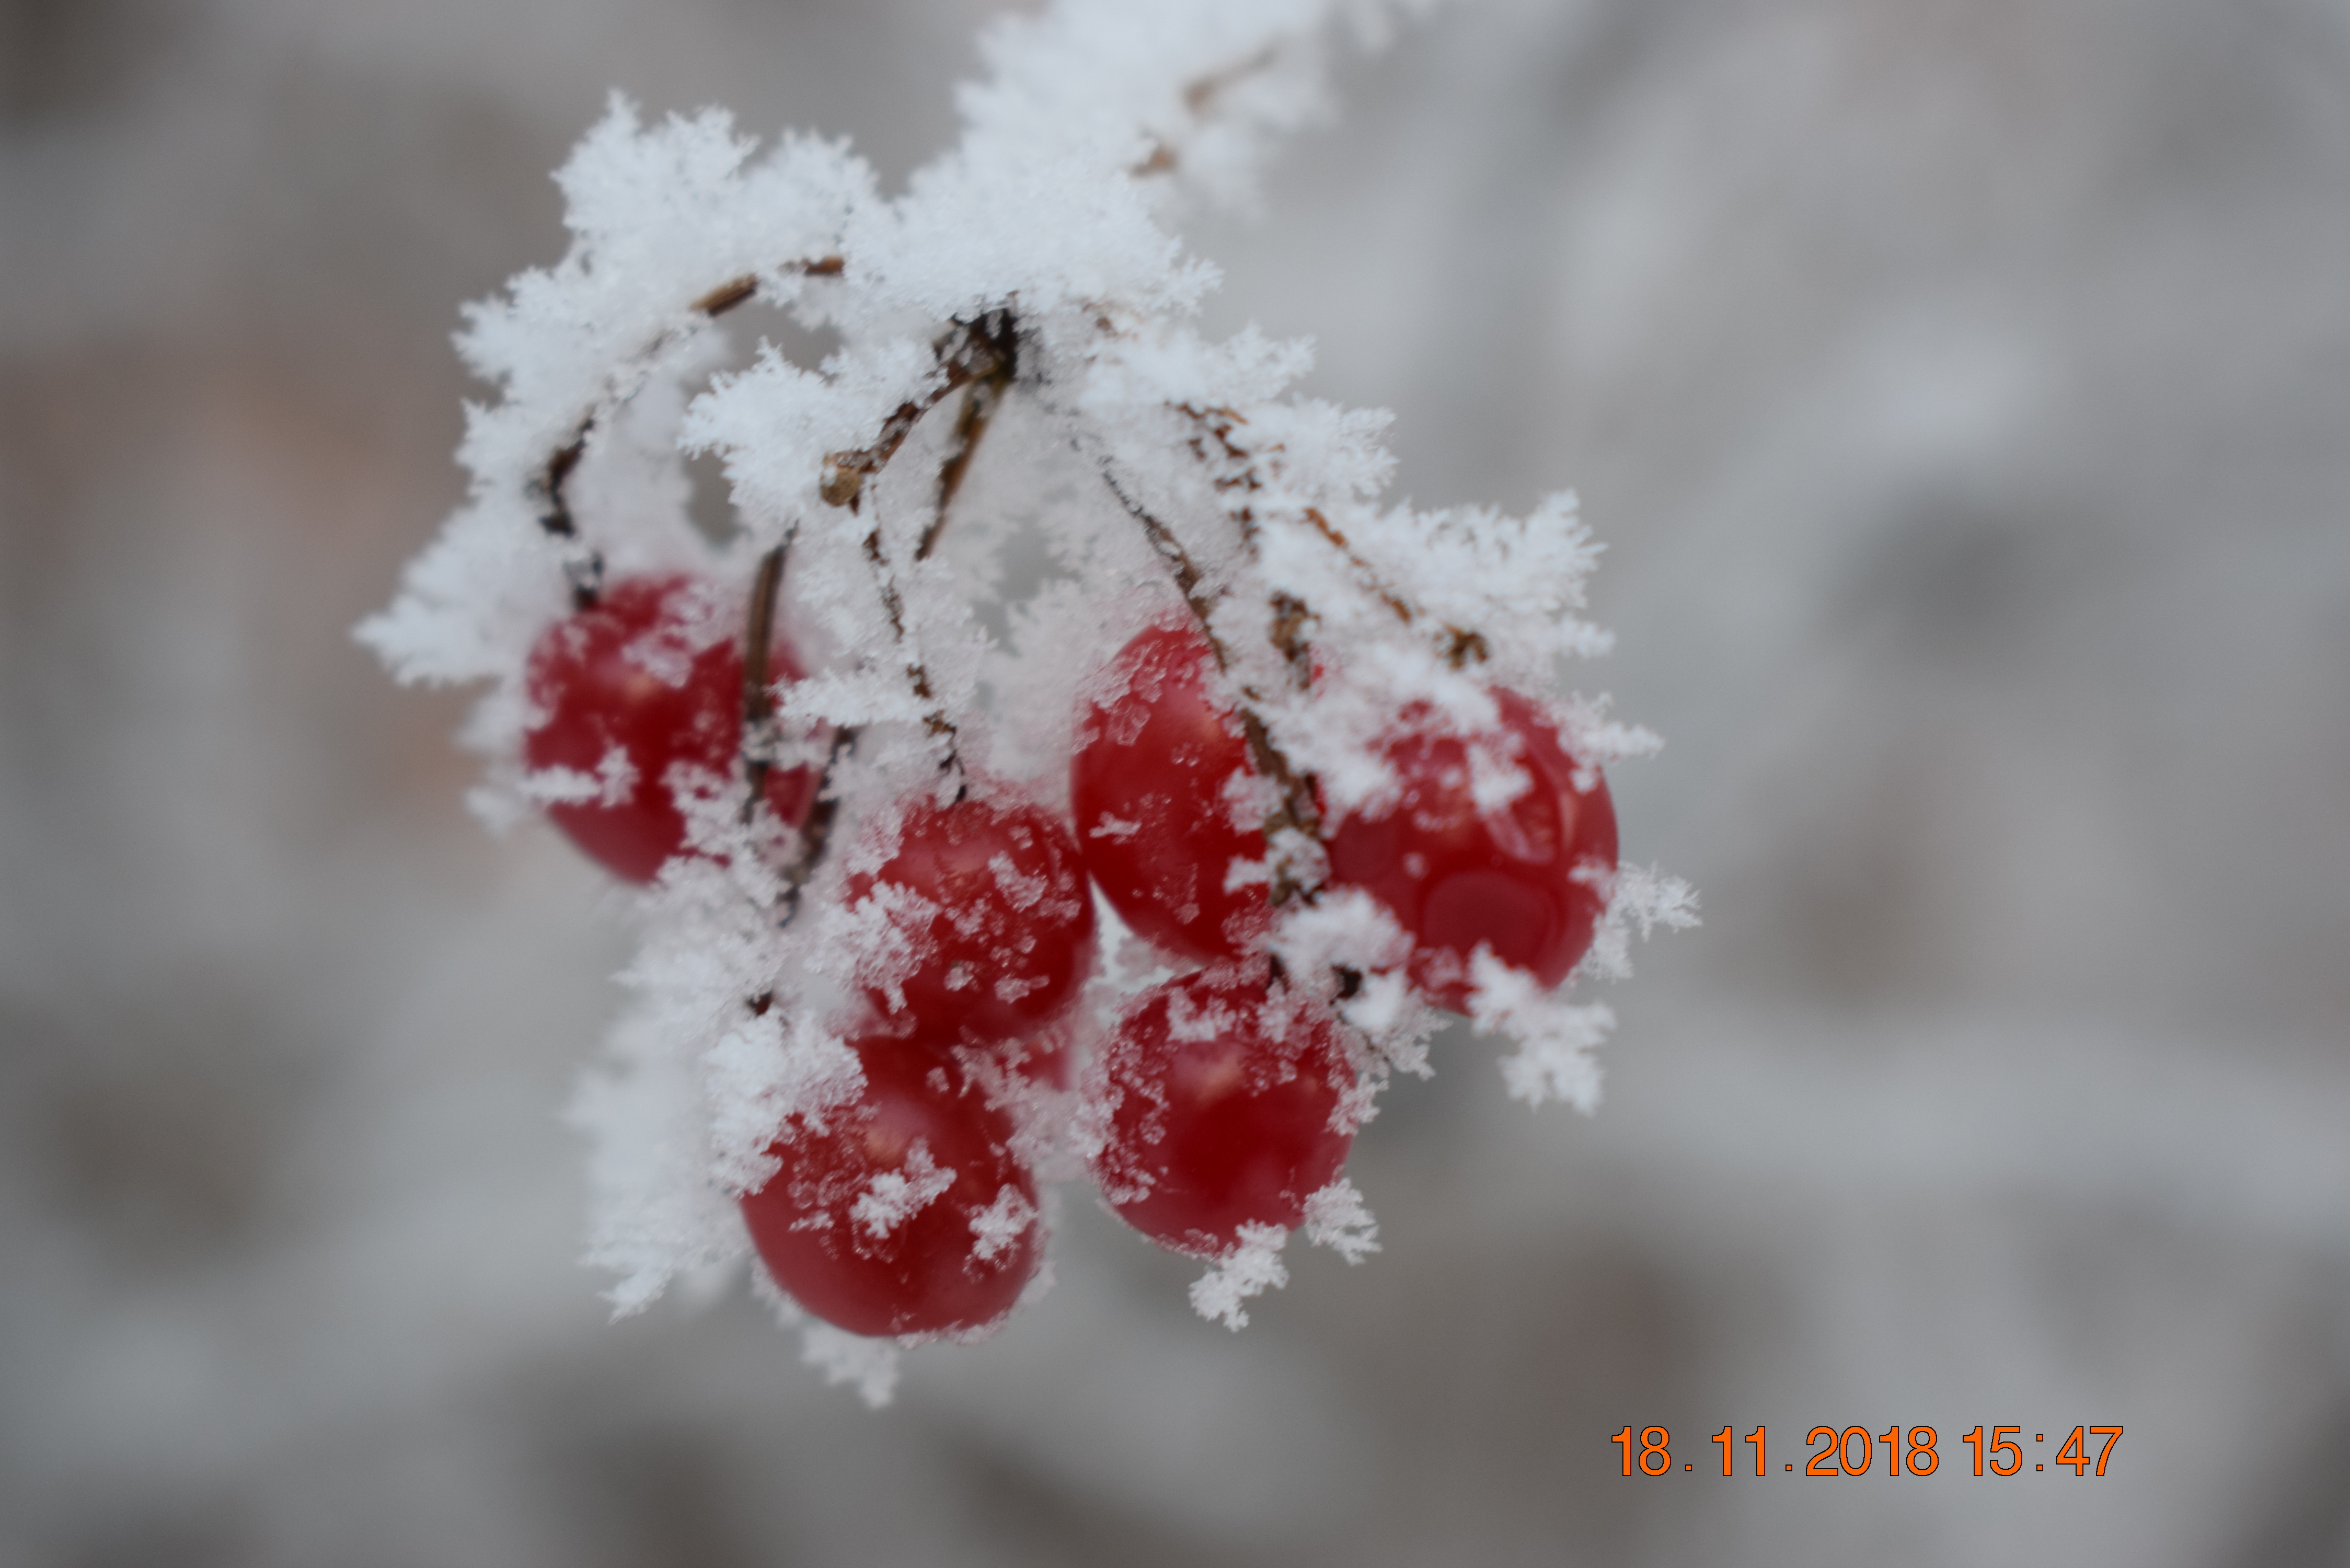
(650, 676)
(1527, 880)
(908, 1212)
(1223, 1101)
(1158, 760)
(991, 927)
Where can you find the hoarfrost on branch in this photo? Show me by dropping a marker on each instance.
(1029, 284)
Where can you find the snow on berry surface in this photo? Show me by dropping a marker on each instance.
(1019, 365)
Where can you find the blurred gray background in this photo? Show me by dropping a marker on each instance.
(1963, 389)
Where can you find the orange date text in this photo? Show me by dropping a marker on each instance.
(1897, 1450)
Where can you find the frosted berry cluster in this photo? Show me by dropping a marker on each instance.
(1063, 769)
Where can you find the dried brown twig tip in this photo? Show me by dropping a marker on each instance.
(1200, 95)
(726, 296)
(1204, 91)
(736, 291)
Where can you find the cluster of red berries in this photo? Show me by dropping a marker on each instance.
(1221, 1098)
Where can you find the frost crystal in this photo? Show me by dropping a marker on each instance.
(995, 1228)
(895, 1197)
(1252, 1268)
(1337, 1218)
(1019, 363)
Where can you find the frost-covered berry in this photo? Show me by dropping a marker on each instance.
(1527, 877)
(1221, 1098)
(647, 679)
(905, 1212)
(979, 922)
(1167, 814)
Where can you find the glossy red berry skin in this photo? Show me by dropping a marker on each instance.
(1529, 878)
(990, 922)
(1222, 1100)
(908, 1213)
(654, 669)
(1156, 755)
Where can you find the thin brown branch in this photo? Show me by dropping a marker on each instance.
(815, 832)
(1387, 596)
(983, 356)
(977, 351)
(759, 740)
(550, 483)
(1461, 648)
(583, 565)
(917, 677)
(980, 402)
(1179, 564)
(758, 693)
